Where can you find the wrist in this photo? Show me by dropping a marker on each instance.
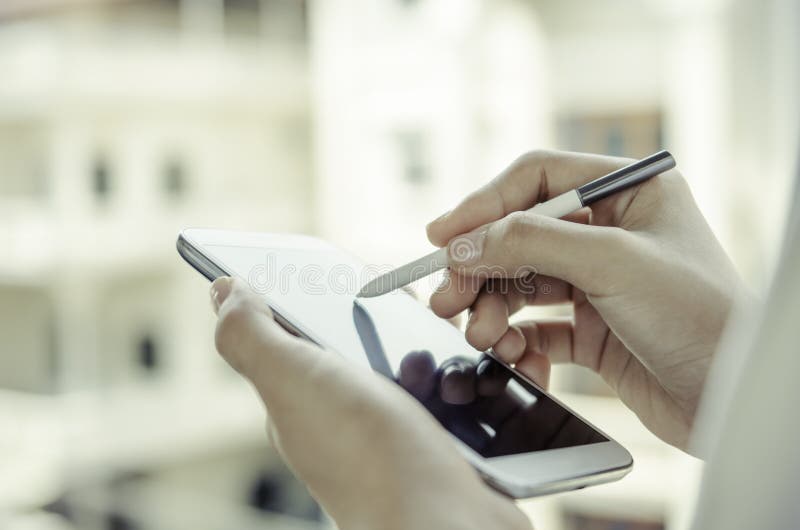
(487, 509)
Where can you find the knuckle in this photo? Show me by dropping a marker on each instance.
(675, 176)
(516, 231)
(475, 338)
(677, 180)
(669, 186)
(528, 163)
(534, 156)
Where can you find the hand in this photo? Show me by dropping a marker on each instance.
(650, 286)
(369, 453)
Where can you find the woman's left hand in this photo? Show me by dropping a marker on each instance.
(370, 454)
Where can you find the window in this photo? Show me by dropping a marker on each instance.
(173, 178)
(412, 148)
(148, 353)
(633, 134)
(284, 20)
(242, 18)
(276, 490)
(101, 178)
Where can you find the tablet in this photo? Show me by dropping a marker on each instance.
(522, 440)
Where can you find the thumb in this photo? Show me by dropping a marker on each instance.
(589, 257)
(250, 340)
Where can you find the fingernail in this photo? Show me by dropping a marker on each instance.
(220, 290)
(457, 385)
(417, 374)
(467, 249)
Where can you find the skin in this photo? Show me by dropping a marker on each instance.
(650, 289)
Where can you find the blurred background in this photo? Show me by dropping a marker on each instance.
(123, 121)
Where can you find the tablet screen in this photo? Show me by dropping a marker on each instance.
(476, 398)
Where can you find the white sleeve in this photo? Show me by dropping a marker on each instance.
(748, 426)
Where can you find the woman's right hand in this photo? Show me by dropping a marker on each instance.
(650, 286)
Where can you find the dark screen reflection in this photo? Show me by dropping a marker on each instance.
(484, 404)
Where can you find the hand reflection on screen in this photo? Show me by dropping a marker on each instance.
(479, 400)
(481, 403)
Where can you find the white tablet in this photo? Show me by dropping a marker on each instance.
(522, 440)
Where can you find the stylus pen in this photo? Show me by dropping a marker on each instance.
(559, 206)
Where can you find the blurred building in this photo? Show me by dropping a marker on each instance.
(418, 102)
(120, 123)
(123, 121)
(415, 104)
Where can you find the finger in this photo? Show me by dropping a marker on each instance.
(488, 326)
(459, 292)
(550, 338)
(417, 374)
(511, 345)
(456, 320)
(556, 340)
(523, 243)
(457, 384)
(536, 367)
(252, 342)
(533, 178)
(546, 342)
(240, 319)
(455, 294)
(488, 321)
(529, 289)
(545, 290)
